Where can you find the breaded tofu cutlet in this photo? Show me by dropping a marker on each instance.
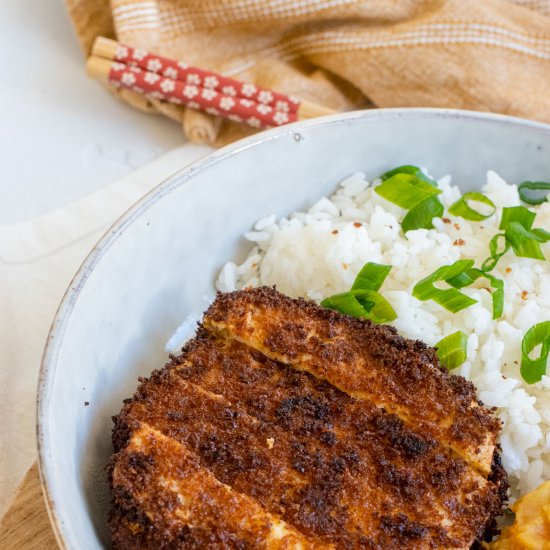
(286, 425)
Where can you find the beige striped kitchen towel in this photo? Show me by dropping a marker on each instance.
(487, 55)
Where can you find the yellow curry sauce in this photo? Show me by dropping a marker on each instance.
(531, 529)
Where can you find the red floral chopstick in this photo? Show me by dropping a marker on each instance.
(178, 70)
(207, 99)
(176, 82)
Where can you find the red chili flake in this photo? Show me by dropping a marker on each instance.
(459, 242)
(86, 403)
(357, 224)
(508, 270)
(335, 231)
(457, 227)
(345, 266)
(445, 220)
(524, 294)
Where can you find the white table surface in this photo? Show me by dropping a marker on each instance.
(62, 135)
(72, 159)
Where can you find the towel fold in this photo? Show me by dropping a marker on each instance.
(486, 55)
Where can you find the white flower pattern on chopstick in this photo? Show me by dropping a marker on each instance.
(253, 121)
(229, 90)
(226, 103)
(193, 78)
(248, 90)
(208, 94)
(246, 103)
(154, 65)
(121, 52)
(211, 82)
(139, 54)
(151, 78)
(128, 79)
(265, 96)
(264, 109)
(167, 85)
(178, 83)
(280, 118)
(282, 106)
(170, 72)
(190, 91)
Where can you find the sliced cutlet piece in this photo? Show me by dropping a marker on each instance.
(425, 478)
(367, 361)
(340, 494)
(164, 498)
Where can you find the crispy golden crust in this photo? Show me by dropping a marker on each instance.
(335, 470)
(164, 497)
(367, 361)
(411, 473)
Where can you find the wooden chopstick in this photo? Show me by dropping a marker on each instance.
(176, 82)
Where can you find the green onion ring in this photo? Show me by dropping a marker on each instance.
(363, 300)
(366, 304)
(371, 276)
(462, 208)
(421, 216)
(490, 263)
(534, 186)
(408, 169)
(406, 190)
(451, 350)
(451, 299)
(532, 370)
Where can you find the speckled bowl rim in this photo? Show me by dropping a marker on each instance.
(66, 307)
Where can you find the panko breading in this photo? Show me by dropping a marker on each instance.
(274, 404)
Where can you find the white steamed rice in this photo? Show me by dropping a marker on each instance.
(319, 252)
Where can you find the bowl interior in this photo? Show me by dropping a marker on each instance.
(157, 263)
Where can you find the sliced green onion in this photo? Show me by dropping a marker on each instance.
(534, 198)
(421, 216)
(451, 350)
(517, 222)
(451, 299)
(363, 300)
(468, 277)
(410, 188)
(519, 214)
(498, 293)
(346, 303)
(409, 169)
(406, 190)
(463, 279)
(540, 234)
(532, 370)
(367, 304)
(496, 252)
(463, 209)
(371, 276)
(524, 242)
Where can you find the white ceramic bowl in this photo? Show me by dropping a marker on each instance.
(158, 261)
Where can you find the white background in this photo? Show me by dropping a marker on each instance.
(62, 135)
